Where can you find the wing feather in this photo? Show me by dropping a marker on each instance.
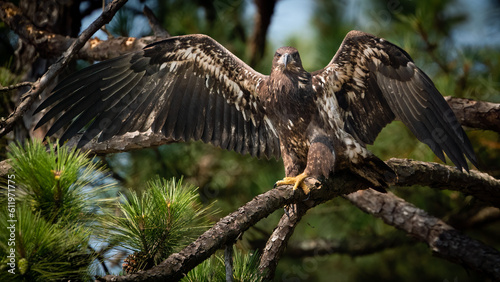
(187, 87)
(373, 81)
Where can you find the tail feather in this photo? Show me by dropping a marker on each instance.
(376, 172)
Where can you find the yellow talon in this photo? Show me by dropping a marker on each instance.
(296, 181)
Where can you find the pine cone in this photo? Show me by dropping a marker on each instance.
(135, 262)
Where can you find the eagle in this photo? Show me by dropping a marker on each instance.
(192, 88)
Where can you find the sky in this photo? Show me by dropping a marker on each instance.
(290, 16)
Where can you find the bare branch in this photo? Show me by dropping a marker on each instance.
(279, 239)
(55, 69)
(476, 114)
(155, 24)
(15, 86)
(228, 262)
(482, 217)
(123, 143)
(443, 240)
(475, 183)
(352, 247)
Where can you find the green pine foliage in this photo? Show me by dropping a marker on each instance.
(56, 192)
(211, 269)
(43, 250)
(163, 218)
(61, 183)
(245, 268)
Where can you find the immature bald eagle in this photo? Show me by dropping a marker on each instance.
(191, 87)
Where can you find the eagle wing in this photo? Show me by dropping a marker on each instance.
(186, 87)
(370, 82)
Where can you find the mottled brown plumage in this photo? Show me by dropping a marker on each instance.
(192, 88)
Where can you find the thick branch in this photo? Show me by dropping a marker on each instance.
(123, 143)
(392, 210)
(475, 183)
(55, 69)
(279, 239)
(444, 241)
(476, 114)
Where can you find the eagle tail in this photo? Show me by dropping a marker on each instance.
(375, 172)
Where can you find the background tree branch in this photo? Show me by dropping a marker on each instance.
(409, 172)
(475, 183)
(476, 114)
(352, 247)
(55, 69)
(262, 21)
(444, 240)
(278, 240)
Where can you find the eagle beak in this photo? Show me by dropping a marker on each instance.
(286, 59)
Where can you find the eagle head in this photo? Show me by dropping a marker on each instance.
(287, 59)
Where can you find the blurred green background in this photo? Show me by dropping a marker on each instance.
(455, 42)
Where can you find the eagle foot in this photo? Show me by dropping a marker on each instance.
(296, 181)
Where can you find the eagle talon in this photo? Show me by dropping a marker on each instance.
(296, 181)
(306, 199)
(288, 208)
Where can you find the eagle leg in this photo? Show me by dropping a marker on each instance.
(296, 181)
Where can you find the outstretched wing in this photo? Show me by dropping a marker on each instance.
(371, 81)
(187, 87)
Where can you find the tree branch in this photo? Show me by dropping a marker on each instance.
(353, 248)
(265, 10)
(278, 240)
(443, 240)
(55, 69)
(155, 24)
(15, 86)
(478, 184)
(476, 114)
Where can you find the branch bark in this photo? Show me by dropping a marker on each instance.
(278, 240)
(476, 114)
(437, 176)
(443, 240)
(55, 69)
